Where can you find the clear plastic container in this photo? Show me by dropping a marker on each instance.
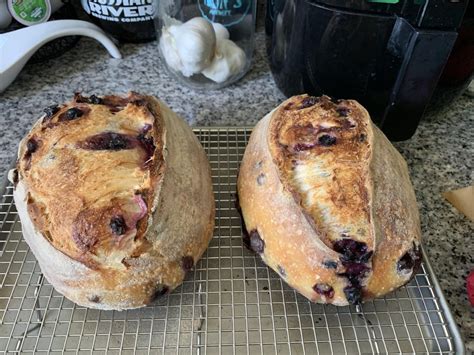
(206, 44)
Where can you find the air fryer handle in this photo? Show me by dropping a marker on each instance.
(425, 53)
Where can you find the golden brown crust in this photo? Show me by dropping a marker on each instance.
(314, 197)
(95, 179)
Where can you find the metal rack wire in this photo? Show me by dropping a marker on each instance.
(230, 304)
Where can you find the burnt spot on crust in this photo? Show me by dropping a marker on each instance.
(139, 102)
(330, 264)
(107, 141)
(160, 290)
(118, 225)
(281, 271)
(326, 140)
(343, 111)
(93, 99)
(257, 244)
(308, 102)
(94, 299)
(362, 137)
(324, 290)
(50, 111)
(410, 261)
(187, 262)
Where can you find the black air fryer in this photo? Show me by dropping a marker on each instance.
(387, 54)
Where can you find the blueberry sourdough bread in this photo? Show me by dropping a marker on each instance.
(327, 201)
(115, 199)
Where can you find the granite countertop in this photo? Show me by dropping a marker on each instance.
(440, 155)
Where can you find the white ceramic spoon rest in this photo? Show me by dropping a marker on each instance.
(18, 46)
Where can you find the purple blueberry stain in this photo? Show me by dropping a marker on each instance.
(354, 256)
(147, 144)
(15, 177)
(50, 111)
(94, 299)
(330, 264)
(118, 225)
(107, 141)
(261, 179)
(31, 146)
(308, 102)
(301, 147)
(95, 100)
(352, 250)
(187, 263)
(353, 294)
(256, 242)
(343, 111)
(281, 271)
(327, 140)
(71, 114)
(324, 290)
(160, 290)
(410, 261)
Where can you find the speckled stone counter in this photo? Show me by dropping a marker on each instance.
(440, 155)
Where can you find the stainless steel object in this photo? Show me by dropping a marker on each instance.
(231, 303)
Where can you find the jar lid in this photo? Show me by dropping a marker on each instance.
(30, 12)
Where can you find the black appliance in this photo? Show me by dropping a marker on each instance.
(387, 54)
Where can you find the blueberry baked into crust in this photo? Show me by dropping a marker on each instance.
(115, 199)
(327, 202)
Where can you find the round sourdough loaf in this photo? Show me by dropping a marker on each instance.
(327, 201)
(115, 199)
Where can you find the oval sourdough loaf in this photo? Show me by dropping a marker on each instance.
(327, 201)
(115, 199)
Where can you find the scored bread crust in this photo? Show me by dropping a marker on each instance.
(154, 180)
(327, 201)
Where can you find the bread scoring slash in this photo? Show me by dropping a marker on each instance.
(115, 199)
(328, 203)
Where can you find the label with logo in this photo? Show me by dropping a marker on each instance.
(120, 10)
(225, 12)
(30, 12)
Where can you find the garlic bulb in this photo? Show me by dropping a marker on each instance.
(196, 44)
(228, 61)
(221, 31)
(168, 48)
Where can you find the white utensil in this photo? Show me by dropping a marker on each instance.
(18, 46)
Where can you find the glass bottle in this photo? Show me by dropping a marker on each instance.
(206, 44)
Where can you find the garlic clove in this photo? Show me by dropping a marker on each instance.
(221, 31)
(168, 48)
(195, 41)
(229, 60)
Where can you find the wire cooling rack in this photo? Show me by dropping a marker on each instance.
(231, 303)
